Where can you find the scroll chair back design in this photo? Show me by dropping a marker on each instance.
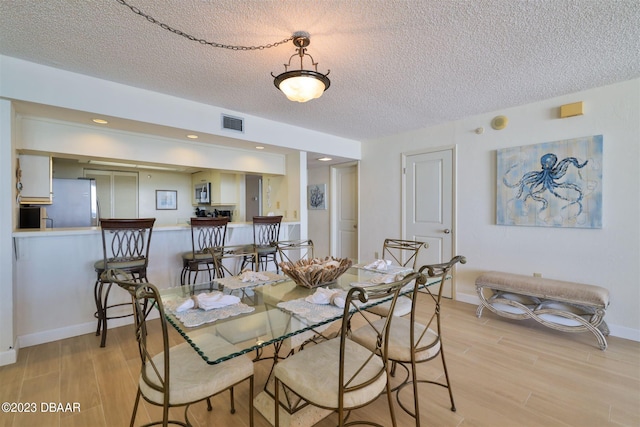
(266, 232)
(340, 374)
(125, 246)
(414, 342)
(205, 233)
(295, 250)
(177, 376)
(403, 253)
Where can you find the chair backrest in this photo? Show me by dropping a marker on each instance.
(228, 260)
(207, 233)
(369, 370)
(145, 297)
(295, 250)
(266, 230)
(126, 240)
(402, 252)
(442, 271)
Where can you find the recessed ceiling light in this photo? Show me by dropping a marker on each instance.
(324, 159)
(192, 136)
(259, 147)
(99, 121)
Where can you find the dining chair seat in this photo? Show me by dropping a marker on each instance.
(400, 340)
(133, 264)
(188, 369)
(200, 257)
(314, 374)
(403, 307)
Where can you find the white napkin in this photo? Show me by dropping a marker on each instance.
(379, 264)
(327, 296)
(208, 301)
(252, 276)
(383, 278)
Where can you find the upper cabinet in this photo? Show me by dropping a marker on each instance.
(34, 179)
(224, 187)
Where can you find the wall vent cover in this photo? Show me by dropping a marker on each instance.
(232, 123)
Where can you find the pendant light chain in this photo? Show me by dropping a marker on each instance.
(195, 39)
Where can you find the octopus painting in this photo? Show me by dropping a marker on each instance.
(535, 184)
(555, 184)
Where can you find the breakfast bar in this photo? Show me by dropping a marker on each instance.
(54, 268)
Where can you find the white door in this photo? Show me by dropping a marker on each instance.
(345, 211)
(428, 206)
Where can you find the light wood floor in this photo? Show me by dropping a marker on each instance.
(504, 373)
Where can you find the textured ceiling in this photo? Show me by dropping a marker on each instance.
(395, 65)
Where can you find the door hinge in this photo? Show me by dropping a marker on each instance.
(404, 171)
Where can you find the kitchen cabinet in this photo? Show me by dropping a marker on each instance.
(224, 187)
(34, 179)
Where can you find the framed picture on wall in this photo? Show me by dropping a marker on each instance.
(317, 196)
(166, 200)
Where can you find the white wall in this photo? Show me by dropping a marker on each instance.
(609, 257)
(320, 220)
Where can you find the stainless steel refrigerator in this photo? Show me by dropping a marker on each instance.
(74, 203)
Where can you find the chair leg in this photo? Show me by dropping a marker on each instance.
(209, 406)
(276, 402)
(446, 376)
(97, 294)
(233, 403)
(135, 408)
(103, 341)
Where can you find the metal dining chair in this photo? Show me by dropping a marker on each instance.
(125, 246)
(205, 233)
(412, 341)
(266, 232)
(403, 253)
(295, 250)
(339, 374)
(178, 376)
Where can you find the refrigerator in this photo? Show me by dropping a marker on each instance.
(74, 203)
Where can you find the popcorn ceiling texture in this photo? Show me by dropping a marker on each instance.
(395, 65)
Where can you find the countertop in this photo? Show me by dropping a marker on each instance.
(42, 232)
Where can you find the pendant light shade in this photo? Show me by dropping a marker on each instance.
(301, 85)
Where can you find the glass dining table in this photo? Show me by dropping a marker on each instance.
(273, 310)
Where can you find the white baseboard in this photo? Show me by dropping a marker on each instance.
(67, 332)
(9, 357)
(614, 330)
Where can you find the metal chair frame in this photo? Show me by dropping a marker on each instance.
(145, 297)
(443, 271)
(347, 383)
(266, 232)
(125, 245)
(295, 250)
(403, 252)
(205, 233)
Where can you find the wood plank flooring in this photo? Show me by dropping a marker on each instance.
(504, 373)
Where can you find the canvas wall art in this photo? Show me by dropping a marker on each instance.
(553, 184)
(317, 196)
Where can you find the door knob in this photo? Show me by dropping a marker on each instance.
(355, 226)
(447, 231)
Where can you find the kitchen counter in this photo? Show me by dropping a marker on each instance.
(54, 274)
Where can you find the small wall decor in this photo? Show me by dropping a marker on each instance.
(553, 184)
(166, 200)
(317, 196)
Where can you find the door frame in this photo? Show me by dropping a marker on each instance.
(334, 202)
(454, 191)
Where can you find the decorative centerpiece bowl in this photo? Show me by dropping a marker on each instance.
(311, 273)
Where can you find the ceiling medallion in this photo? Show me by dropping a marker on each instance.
(302, 85)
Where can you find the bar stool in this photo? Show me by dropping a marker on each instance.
(205, 233)
(125, 246)
(266, 231)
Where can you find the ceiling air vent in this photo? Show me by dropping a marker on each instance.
(232, 123)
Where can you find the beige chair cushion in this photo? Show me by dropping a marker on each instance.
(403, 307)
(191, 378)
(200, 256)
(120, 265)
(399, 340)
(313, 374)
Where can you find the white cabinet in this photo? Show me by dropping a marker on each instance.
(224, 187)
(35, 179)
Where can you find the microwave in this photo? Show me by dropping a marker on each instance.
(203, 192)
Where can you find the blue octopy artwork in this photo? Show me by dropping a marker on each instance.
(553, 184)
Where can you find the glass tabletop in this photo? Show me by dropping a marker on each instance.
(267, 313)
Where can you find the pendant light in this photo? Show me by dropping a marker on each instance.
(301, 85)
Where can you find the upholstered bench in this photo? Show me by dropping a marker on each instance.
(564, 306)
